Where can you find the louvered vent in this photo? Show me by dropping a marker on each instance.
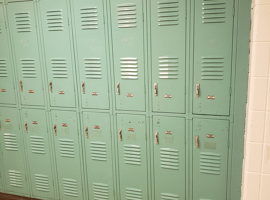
(210, 163)
(101, 191)
(133, 193)
(127, 15)
(89, 18)
(23, 22)
(70, 187)
(15, 178)
(169, 158)
(10, 142)
(213, 11)
(42, 182)
(168, 67)
(28, 68)
(168, 13)
(212, 68)
(98, 151)
(129, 68)
(55, 20)
(37, 144)
(66, 148)
(3, 68)
(59, 68)
(168, 196)
(132, 154)
(92, 68)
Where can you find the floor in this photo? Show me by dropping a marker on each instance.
(13, 197)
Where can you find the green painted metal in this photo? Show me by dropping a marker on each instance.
(23, 29)
(169, 157)
(35, 132)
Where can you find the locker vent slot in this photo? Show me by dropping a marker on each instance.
(129, 68)
(66, 148)
(101, 191)
(23, 23)
(70, 187)
(15, 178)
(210, 163)
(98, 151)
(213, 11)
(133, 193)
(168, 13)
(92, 68)
(132, 154)
(168, 196)
(127, 15)
(28, 68)
(168, 67)
(169, 158)
(59, 68)
(55, 20)
(89, 18)
(37, 144)
(42, 182)
(3, 68)
(212, 68)
(10, 142)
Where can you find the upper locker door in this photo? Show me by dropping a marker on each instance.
(23, 25)
(37, 140)
(91, 52)
(7, 93)
(168, 28)
(212, 56)
(128, 52)
(58, 53)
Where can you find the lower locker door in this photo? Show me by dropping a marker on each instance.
(68, 160)
(210, 155)
(169, 158)
(38, 152)
(132, 156)
(98, 151)
(12, 150)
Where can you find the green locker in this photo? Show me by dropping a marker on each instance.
(168, 45)
(210, 159)
(90, 38)
(38, 149)
(23, 28)
(12, 151)
(58, 52)
(212, 56)
(7, 93)
(132, 155)
(127, 21)
(169, 157)
(99, 156)
(67, 153)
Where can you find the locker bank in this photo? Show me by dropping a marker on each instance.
(123, 99)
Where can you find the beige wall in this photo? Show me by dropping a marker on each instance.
(256, 169)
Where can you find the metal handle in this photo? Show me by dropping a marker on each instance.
(197, 141)
(26, 127)
(21, 86)
(118, 88)
(86, 131)
(197, 90)
(156, 134)
(120, 134)
(50, 86)
(83, 87)
(54, 129)
(155, 89)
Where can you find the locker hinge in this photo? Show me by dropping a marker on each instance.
(233, 11)
(186, 14)
(143, 17)
(230, 91)
(6, 25)
(228, 144)
(103, 19)
(68, 21)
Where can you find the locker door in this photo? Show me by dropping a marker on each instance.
(35, 131)
(128, 50)
(169, 157)
(212, 56)
(12, 151)
(7, 93)
(132, 156)
(168, 28)
(98, 151)
(58, 54)
(68, 160)
(91, 53)
(210, 154)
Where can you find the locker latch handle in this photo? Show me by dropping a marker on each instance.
(156, 134)
(86, 131)
(197, 90)
(120, 134)
(118, 88)
(54, 129)
(21, 86)
(197, 141)
(83, 87)
(50, 86)
(155, 89)
(26, 127)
